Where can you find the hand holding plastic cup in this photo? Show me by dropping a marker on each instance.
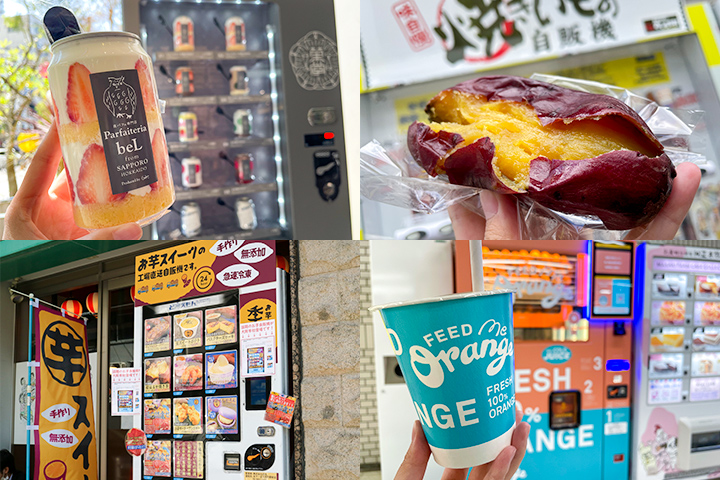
(457, 357)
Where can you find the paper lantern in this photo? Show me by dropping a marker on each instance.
(91, 302)
(72, 307)
(281, 262)
(132, 293)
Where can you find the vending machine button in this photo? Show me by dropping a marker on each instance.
(322, 116)
(617, 365)
(266, 431)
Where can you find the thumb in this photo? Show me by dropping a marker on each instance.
(129, 231)
(501, 216)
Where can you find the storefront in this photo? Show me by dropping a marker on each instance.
(615, 348)
(120, 291)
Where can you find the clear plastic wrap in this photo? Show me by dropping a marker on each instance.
(392, 176)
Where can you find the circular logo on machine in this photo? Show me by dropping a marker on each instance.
(314, 60)
(556, 354)
(204, 279)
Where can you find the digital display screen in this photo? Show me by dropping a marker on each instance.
(257, 393)
(326, 139)
(612, 283)
(700, 442)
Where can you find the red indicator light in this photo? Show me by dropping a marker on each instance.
(329, 135)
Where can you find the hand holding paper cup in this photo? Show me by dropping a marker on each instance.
(456, 354)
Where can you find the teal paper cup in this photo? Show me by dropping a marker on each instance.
(456, 354)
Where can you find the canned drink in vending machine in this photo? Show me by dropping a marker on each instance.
(184, 34)
(188, 127)
(242, 119)
(244, 167)
(191, 172)
(190, 223)
(239, 81)
(245, 210)
(235, 34)
(184, 81)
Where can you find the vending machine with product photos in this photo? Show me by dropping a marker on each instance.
(413, 49)
(676, 411)
(253, 116)
(215, 367)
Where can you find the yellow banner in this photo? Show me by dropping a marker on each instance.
(65, 447)
(630, 72)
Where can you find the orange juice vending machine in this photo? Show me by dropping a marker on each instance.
(212, 318)
(572, 352)
(676, 412)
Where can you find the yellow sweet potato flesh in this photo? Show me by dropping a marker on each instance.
(519, 137)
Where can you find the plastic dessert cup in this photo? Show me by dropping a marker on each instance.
(111, 130)
(457, 357)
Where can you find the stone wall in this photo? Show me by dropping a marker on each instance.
(329, 306)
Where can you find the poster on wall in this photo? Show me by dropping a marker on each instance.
(257, 349)
(202, 267)
(65, 445)
(126, 391)
(410, 41)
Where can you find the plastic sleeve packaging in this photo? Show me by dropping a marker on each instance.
(390, 175)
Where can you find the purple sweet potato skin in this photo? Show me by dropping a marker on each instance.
(550, 102)
(427, 146)
(624, 189)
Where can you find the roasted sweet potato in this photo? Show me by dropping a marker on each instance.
(571, 151)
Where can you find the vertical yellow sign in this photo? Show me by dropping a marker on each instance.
(65, 447)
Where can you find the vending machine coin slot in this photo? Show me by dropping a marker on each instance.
(260, 457)
(564, 409)
(327, 174)
(266, 431)
(257, 392)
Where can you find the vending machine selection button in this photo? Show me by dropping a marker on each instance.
(232, 462)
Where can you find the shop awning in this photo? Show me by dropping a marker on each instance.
(22, 257)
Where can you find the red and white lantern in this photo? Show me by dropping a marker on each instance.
(72, 307)
(91, 302)
(132, 293)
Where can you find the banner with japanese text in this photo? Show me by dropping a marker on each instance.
(411, 41)
(65, 444)
(202, 267)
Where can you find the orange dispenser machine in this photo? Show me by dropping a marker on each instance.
(572, 316)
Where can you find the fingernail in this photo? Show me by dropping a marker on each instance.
(489, 203)
(415, 432)
(128, 232)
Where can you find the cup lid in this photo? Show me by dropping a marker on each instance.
(443, 298)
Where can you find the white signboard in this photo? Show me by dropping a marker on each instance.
(410, 41)
(126, 391)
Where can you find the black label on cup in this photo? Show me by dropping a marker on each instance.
(124, 129)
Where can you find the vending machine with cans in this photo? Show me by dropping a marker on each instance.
(215, 364)
(253, 116)
(676, 411)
